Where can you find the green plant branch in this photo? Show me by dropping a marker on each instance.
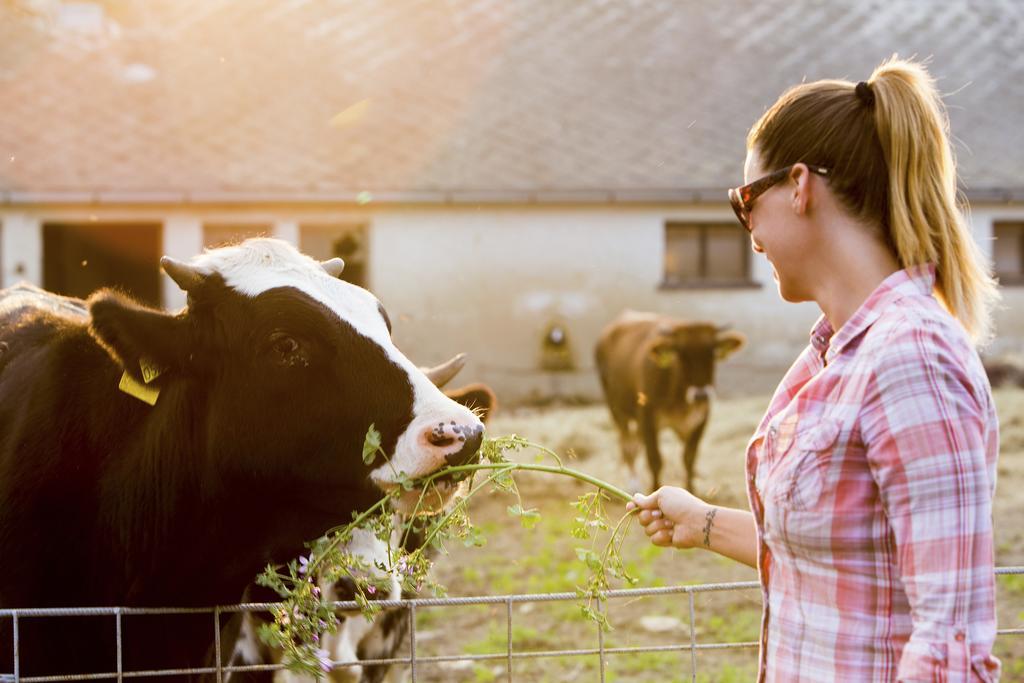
(304, 614)
(339, 532)
(531, 467)
(451, 513)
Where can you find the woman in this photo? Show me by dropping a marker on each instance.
(871, 476)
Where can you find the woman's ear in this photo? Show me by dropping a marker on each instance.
(801, 195)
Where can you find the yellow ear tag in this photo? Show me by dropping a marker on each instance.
(150, 370)
(143, 392)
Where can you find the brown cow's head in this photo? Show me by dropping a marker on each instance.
(683, 356)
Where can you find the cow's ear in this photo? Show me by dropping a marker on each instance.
(727, 343)
(132, 333)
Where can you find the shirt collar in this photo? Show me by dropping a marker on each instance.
(916, 280)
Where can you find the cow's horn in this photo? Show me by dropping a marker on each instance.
(443, 373)
(185, 276)
(333, 266)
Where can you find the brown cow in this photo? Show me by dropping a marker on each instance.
(656, 372)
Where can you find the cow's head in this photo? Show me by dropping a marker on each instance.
(685, 354)
(288, 367)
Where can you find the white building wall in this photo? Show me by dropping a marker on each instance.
(182, 239)
(21, 249)
(1009, 316)
(287, 230)
(489, 281)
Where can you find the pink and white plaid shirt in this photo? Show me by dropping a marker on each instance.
(871, 480)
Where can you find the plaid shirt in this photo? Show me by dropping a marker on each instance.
(871, 480)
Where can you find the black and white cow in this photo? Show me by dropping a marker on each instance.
(357, 640)
(268, 381)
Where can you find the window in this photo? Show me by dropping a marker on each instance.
(706, 255)
(346, 241)
(1008, 252)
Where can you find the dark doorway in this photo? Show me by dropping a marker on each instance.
(79, 258)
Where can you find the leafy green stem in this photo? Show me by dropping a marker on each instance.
(502, 469)
(533, 467)
(354, 524)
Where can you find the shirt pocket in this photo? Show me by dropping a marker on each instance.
(803, 468)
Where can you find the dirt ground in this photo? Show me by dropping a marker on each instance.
(543, 560)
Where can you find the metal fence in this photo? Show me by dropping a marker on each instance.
(414, 661)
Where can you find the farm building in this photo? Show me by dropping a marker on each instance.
(506, 177)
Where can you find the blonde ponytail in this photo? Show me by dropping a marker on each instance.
(926, 224)
(892, 166)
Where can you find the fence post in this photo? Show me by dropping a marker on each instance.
(17, 658)
(120, 649)
(508, 615)
(412, 640)
(216, 643)
(693, 639)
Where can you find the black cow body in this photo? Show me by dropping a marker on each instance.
(270, 379)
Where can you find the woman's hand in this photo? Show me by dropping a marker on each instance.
(674, 517)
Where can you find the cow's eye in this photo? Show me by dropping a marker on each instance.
(663, 355)
(283, 344)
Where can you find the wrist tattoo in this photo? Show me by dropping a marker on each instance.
(709, 519)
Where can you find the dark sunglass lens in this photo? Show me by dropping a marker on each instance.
(739, 209)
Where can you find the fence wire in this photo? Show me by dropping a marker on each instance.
(509, 656)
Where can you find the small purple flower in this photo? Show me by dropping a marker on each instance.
(371, 589)
(323, 658)
(303, 564)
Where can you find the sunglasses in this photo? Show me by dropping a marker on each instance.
(742, 198)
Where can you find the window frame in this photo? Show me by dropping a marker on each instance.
(1009, 279)
(703, 281)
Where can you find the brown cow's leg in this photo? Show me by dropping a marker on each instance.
(648, 425)
(689, 427)
(690, 454)
(629, 443)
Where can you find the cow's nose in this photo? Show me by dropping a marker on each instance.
(461, 442)
(699, 394)
(470, 451)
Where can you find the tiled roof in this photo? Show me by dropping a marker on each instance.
(474, 100)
